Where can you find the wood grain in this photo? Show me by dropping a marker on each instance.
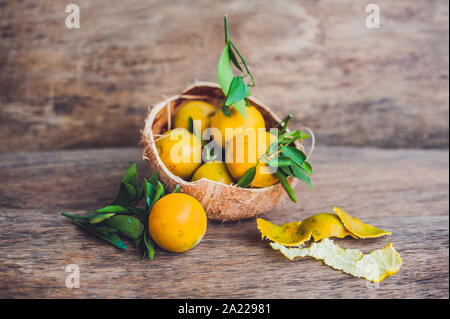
(91, 87)
(404, 191)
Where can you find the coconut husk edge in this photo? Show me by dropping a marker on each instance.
(221, 202)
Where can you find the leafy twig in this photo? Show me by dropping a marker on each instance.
(234, 88)
(286, 158)
(123, 216)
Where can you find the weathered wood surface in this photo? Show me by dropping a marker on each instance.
(405, 191)
(90, 87)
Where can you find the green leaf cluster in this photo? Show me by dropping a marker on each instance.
(234, 87)
(288, 160)
(124, 216)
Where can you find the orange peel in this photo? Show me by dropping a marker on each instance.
(357, 227)
(318, 227)
(289, 239)
(324, 225)
(286, 234)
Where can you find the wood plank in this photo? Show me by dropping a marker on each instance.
(62, 88)
(405, 191)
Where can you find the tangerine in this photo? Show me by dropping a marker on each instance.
(177, 222)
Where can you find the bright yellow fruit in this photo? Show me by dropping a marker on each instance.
(215, 171)
(221, 122)
(180, 151)
(198, 110)
(243, 155)
(177, 222)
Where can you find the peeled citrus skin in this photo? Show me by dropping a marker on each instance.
(220, 121)
(250, 152)
(180, 151)
(215, 171)
(177, 222)
(198, 110)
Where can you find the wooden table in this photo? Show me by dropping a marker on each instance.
(405, 191)
(353, 86)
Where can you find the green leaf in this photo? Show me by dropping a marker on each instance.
(137, 242)
(280, 161)
(293, 153)
(287, 171)
(190, 124)
(153, 179)
(244, 63)
(240, 107)
(139, 194)
(158, 194)
(193, 129)
(126, 195)
(304, 136)
(248, 177)
(105, 229)
(289, 138)
(238, 91)
(139, 212)
(131, 190)
(109, 211)
(225, 22)
(226, 109)
(224, 72)
(177, 189)
(301, 175)
(95, 218)
(149, 191)
(130, 176)
(307, 168)
(128, 226)
(233, 59)
(284, 124)
(112, 238)
(112, 209)
(297, 135)
(150, 250)
(284, 182)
